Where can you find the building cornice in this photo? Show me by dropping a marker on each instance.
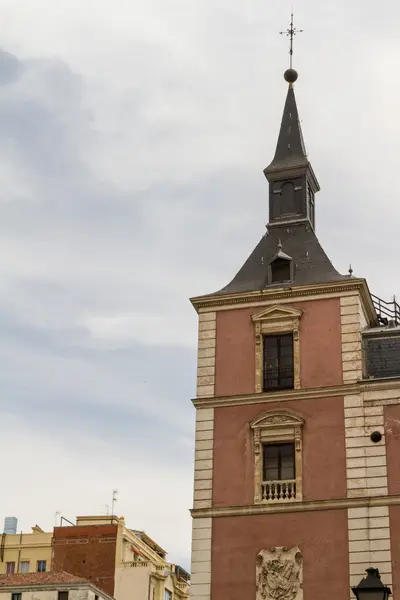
(283, 396)
(215, 302)
(366, 385)
(290, 507)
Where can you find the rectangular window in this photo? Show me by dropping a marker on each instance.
(62, 595)
(278, 362)
(24, 567)
(167, 595)
(41, 566)
(10, 568)
(278, 462)
(16, 596)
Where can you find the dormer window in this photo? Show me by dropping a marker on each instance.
(280, 270)
(280, 267)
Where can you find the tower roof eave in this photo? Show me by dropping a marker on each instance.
(290, 168)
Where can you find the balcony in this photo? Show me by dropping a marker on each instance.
(137, 563)
(278, 491)
(387, 312)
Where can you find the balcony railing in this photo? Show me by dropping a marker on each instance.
(386, 311)
(282, 490)
(137, 563)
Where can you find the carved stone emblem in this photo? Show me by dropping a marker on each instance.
(279, 574)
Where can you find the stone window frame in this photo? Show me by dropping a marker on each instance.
(271, 321)
(277, 426)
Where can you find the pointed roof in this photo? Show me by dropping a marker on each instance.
(290, 149)
(280, 253)
(296, 234)
(311, 264)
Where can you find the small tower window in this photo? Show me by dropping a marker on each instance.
(311, 205)
(280, 270)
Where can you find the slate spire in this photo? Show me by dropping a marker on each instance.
(292, 189)
(290, 149)
(292, 182)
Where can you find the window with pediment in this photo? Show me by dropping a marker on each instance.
(277, 349)
(277, 444)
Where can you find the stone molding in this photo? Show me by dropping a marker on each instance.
(277, 426)
(206, 354)
(279, 574)
(366, 473)
(276, 319)
(352, 321)
(369, 542)
(336, 289)
(289, 507)
(200, 587)
(366, 469)
(203, 463)
(382, 392)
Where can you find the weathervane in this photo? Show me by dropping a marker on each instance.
(291, 32)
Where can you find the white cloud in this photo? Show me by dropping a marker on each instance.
(147, 329)
(78, 475)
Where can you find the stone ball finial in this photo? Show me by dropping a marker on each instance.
(290, 75)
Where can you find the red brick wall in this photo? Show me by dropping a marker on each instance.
(394, 514)
(392, 436)
(87, 551)
(320, 347)
(321, 536)
(324, 462)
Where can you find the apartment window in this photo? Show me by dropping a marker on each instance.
(63, 595)
(41, 566)
(16, 596)
(167, 595)
(10, 568)
(24, 567)
(278, 462)
(278, 362)
(277, 444)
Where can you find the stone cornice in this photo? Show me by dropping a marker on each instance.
(286, 395)
(302, 394)
(387, 383)
(251, 298)
(290, 507)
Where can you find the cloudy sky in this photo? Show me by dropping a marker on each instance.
(133, 135)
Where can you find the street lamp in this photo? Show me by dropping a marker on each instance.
(371, 587)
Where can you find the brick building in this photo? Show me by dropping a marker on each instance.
(123, 562)
(297, 469)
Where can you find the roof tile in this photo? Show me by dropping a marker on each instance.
(48, 578)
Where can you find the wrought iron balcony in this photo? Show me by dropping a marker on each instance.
(387, 311)
(281, 490)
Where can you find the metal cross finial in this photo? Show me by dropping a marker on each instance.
(291, 32)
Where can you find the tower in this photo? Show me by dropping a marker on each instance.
(296, 485)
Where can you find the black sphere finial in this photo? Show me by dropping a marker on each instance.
(290, 75)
